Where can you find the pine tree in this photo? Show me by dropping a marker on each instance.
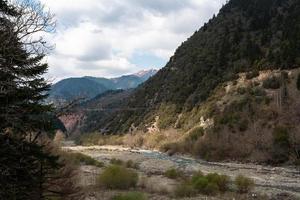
(25, 165)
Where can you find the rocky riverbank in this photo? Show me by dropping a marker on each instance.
(276, 182)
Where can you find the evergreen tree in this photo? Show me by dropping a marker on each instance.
(27, 168)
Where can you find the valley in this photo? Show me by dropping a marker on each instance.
(276, 182)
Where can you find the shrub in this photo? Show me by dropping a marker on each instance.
(195, 133)
(272, 83)
(200, 183)
(281, 136)
(243, 184)
(131, 164)
(211, 189)
(185, 190)
(117, 177)
(221, 181)
(173, 174)
(197, 175)
(131, 196)
(281, 145)
(79, 159)
(258, 92)
(211, 183)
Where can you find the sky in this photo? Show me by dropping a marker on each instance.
(108, 38)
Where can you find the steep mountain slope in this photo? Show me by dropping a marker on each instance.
(88, 87)
(246, 35)
(232, 89)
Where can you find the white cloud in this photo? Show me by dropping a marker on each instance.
(99, 37)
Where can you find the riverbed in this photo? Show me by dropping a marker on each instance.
(269, 180)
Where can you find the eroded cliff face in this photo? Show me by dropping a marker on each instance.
(73, 122)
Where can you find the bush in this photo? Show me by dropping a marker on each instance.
(195, 133)
(281, 145)
(131, 164)
(211, 189)
(221, 181)
(173, 174)
(243, 184)
(117, 177)
(185, 190)
(272, 83)
(131, 196)
(281, 136)
(200, 183)
(258, 92)
(81, 159)
(211, 183)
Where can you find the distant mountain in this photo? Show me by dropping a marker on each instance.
(146, 74)
(88, 87)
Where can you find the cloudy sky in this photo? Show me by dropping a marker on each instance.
(114, 37)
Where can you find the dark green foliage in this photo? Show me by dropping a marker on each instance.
(81, 159)
(131, 196)
(185, 190)
(21, 166)
(272, 83)
(27, 168)
(117, 177)
(221, 181)
(281, 147)
(211, 183)
(173, 174)
(89, 87)
(281, 136)
(195, 134)
(298, 81)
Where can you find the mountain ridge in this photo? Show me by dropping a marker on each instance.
(88, 87)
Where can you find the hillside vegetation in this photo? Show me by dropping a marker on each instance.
(246, 35)
(89, 87)
(231, 89)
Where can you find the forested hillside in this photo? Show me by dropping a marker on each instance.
(89, 87)
(246, 35)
